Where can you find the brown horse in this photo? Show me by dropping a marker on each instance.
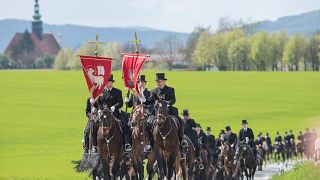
(166, 140)
(110, 144)
(231, 170)
(245, 157)
(188, 165)
(139, 140)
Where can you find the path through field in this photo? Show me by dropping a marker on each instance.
(273, 169)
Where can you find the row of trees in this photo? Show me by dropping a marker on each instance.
(233, 49)
(234, 46)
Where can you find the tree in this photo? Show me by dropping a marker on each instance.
(62, 59)
(203, 54)
(192, 42)
(294, 52)
(278, 42)
(4, 62)
(170, 49)
(238, 54)
(314, 50)
(113, 50)
(261, 50)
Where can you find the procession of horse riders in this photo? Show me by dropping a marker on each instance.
(191, 136)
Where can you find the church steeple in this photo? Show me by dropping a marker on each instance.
(37, 23)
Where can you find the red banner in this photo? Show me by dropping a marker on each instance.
(131, 67)
(97, 71)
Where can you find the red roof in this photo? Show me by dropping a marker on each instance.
(48, 44)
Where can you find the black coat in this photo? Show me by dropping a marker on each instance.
(268, 139)
(278, 139)
(232, 138)
(169, 96)
(111, 98)
(188, 128)
(243, 134)
(300, 137)
(211, 142)
(134, 99)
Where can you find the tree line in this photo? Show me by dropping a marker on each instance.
(230, 48)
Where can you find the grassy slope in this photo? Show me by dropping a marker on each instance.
(42, 112)
(305, 171)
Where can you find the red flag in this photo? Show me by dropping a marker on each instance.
(131, 67)
(97, 71)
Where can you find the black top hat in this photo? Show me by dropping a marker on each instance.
(185, 112)
(244, 121)
(208, 129)
(160, 76)
(222, 131)
(111, 78)
(228, 128)
(142, 78)
(198, 125)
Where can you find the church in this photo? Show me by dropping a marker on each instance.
(44, 43)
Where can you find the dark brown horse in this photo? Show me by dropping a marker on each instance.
(139, 141)
(110, 144)
(188, 165)
(245, 156)
(231, 170)
(300, 148)
(166, 140)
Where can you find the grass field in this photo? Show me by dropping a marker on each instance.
(304, 171)
(42, 112)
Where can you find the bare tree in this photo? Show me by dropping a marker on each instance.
(170, 49)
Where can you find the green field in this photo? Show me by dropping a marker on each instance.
(42, 112)
(302, 171)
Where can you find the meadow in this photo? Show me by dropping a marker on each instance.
(42, 112)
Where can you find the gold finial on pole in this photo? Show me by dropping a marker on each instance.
(97, 43)
(137, 42)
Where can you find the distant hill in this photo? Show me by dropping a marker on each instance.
(74, 35)
(306, 23)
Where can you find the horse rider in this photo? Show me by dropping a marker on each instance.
(246, 135)
(300, 136)
(202, 141)
(93, 117)
(246, 132)
(231, 138)
(291, 138)
(134, 100)
(112, 98)
(286, 137)
(220, 140)
(211, 143)
(169, 96)
(189, 130)
(268, 140)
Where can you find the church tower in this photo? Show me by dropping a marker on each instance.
(37, 23)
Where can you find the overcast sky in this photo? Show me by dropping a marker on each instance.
(174, 15)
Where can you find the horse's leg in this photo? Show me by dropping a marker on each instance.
(105, 170)
(159, 163)
(170, 165)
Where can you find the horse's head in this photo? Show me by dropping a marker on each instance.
(243, 150)
(161, 110)
(139, 113)
(226, 150)
(107, 120)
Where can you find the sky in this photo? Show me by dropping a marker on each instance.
(173, 15)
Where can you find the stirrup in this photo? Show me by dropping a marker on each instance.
(127, 147)
(184, 143)
(148, 149)
(183, 156)
(199, 159)
(201, 167)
